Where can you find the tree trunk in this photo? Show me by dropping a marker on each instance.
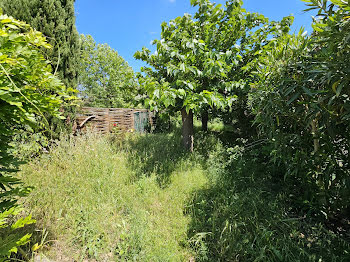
(205, 118)
(187, 129)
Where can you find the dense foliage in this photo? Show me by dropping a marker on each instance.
(206, 60)
(56, 20)
(28, 89)
(277, 188)
(106, 79)
(247, 214)
(214, 204)
(294, 86)
(302, 106)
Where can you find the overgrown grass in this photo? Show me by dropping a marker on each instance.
(247, 215)
(100, 202)
(143, 198)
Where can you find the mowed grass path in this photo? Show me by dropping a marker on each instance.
(100, 200)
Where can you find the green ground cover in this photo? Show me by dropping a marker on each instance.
(143, 198)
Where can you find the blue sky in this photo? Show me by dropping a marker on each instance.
(127, 26)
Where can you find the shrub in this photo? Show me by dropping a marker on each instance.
(27, 91)
(302, 105)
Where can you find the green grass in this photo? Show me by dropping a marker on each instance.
(246, 215)
(97, 203)
(142, 198)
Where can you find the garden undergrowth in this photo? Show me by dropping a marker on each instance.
(247, 214)
(101, 202)
(143, 198)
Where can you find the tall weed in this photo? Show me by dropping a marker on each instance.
(247, 215)
(103, 202)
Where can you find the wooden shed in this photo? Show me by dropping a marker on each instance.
(104, 120)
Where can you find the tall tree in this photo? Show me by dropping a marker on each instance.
(106, 79)
(56, 20)
(205, 61)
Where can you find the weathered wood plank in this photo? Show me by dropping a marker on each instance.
(103, 119)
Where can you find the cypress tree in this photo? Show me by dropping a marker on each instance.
(56, 20)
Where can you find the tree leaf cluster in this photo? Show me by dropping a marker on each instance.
(56, 20)
(106, 79)
(302, 104)
(28, 90)
(207, 60)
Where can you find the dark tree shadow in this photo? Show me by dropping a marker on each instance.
(157, 154)
(246, 215)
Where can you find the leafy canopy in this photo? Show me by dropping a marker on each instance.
(106, 79)
(205, 60)
(56, 20)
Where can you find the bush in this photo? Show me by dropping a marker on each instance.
(28, 90)
(302, 106)
(247, 215)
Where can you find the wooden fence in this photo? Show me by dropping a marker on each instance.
(104, 120)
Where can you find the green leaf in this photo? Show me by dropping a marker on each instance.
(335, 85)
(307, 91)
(181, 92)
(23, 222)
(182, 67)
(316, 28)
(339, 89)
(293, 98)
(156, 93)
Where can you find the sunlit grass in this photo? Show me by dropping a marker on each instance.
(143, 198)
(95, 205)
